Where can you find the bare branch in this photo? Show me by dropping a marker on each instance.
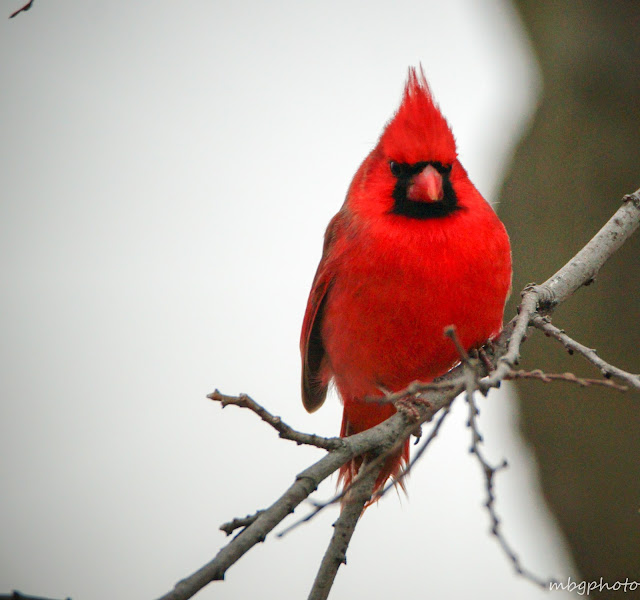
(607, 370)
(394, 428)
(583, 268)
(336, 554)
(452, 333)
(231, 526)
(376, 463)
(25, 8)
(580, 270)
(18, 596)
(536, 300)
(513, 335)
(489, 472)
(256, 532)
(413, 389)
(286, 432)
(539, 375)
(369, 466)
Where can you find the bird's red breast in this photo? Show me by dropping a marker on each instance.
(415, 248)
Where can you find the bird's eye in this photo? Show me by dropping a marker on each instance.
(395, 168)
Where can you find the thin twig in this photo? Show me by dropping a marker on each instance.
(452, 333)
(512, 338)
(285, 431)
(18, 596)
(25, 8)
(489, 472)
(607, 369)
(539, 375)
(472, 383)
(413, 389)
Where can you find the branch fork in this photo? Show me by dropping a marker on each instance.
(537, 305)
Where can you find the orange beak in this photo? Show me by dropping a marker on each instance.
(426, 186)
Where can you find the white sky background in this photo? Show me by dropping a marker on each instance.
(168, 170)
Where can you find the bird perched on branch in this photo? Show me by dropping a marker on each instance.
(414, 248)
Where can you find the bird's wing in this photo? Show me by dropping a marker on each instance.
(314, 362)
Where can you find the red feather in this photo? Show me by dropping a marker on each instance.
(397, 268)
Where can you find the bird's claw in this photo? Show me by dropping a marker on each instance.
(408, 406)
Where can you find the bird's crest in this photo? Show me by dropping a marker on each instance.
(418, 131)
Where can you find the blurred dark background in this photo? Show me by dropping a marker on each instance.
(581, 155)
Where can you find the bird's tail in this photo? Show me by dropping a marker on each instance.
(358, 417)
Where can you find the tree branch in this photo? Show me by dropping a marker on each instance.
(580, 270)
(286, 432)
(607, 370)
(489, 471)
(539, 375)
(25, 8)
(396, 427)
(336, 554)
(18, 596)
(237, 523)
(537, 300)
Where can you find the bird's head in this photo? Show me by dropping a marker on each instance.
(409, 171)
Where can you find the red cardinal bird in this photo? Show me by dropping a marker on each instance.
(414, 248)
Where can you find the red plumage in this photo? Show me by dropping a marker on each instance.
(414, 248)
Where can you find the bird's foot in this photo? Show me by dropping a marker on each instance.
(485, 355)
(409, 406)
(406, 402)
